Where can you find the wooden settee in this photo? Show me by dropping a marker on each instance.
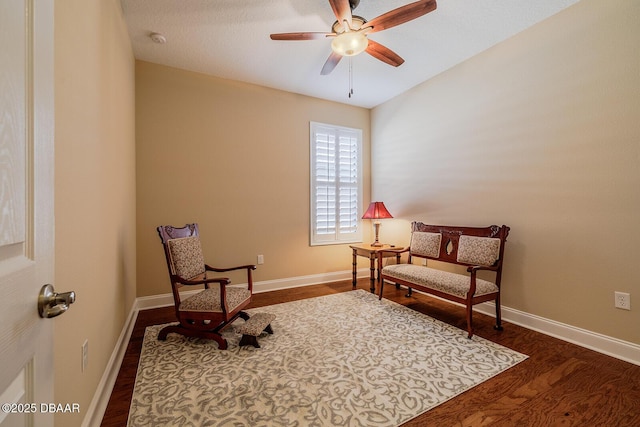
(477, 248)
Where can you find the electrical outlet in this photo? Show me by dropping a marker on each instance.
(260, 259)
(622, 300)
(85, 354)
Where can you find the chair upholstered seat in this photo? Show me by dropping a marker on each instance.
(209, 300)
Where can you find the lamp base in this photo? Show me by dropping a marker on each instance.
(376, 226)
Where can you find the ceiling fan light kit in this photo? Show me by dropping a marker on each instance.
(349, 43)
(350, 33)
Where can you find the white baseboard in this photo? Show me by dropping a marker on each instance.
(98, 405)
(623, 350)
(165, 300)
(610, 346)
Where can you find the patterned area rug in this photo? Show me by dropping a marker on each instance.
(345, 359)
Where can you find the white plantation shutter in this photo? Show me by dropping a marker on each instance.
(336, 184)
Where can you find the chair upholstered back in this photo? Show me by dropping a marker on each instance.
(186, 256)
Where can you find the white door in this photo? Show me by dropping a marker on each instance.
(26, 210)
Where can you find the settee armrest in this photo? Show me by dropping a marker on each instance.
(475, 268)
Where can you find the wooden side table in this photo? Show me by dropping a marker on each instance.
(371, 252)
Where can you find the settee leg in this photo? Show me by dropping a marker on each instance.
(409, 293)
(498, 326)
(469, 319)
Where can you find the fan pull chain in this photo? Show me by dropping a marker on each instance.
(350, 77)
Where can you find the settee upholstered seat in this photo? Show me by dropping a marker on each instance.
(444, 281)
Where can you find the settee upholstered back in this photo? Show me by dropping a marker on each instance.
(459, 245)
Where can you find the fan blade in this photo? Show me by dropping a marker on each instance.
(331, 63)
(342, 10)
(383, 53)
(300, 36)
(401, 15)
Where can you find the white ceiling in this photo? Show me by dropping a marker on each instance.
(230, 39)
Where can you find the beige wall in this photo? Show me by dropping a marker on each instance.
(94, 191)
(541, 133)
(233, 157)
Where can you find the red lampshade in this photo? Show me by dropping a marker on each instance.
(376, 210)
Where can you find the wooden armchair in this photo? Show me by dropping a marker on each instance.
(206, 313)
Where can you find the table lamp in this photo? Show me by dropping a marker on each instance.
(376, 211)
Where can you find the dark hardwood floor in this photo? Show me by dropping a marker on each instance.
(561, 384)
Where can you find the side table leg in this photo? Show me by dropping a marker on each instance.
(355, 268)
(372, 269)
(398, 262)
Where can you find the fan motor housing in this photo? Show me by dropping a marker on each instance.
(356, 23)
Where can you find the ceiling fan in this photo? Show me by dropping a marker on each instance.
(350, 32)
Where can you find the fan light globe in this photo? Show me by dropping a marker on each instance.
(350, 43)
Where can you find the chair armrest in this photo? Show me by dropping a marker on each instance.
(221, 270)
(220, 280)
(248, 267)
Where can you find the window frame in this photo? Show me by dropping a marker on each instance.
(355, 222)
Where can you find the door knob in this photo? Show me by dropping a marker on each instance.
(52, 304)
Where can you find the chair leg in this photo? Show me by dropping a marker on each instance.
(181, 330)
(222, 343)
(162, 335)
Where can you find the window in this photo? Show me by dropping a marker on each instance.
(336, 184)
